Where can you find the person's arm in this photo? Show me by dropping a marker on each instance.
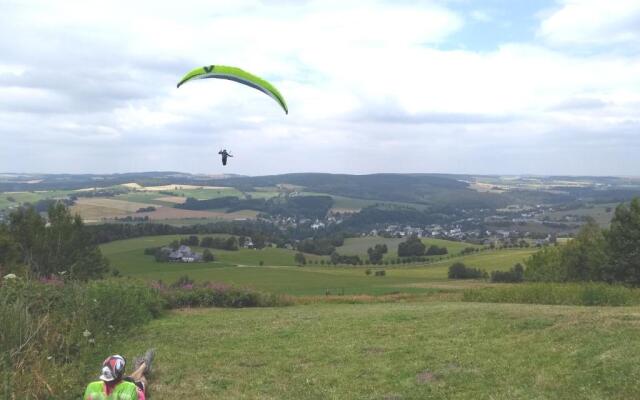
(229, 155)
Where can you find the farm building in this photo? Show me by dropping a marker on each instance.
(184, 254)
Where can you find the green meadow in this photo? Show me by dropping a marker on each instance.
(424, 350)
(10, 199)
(279, 274)
(359, 245)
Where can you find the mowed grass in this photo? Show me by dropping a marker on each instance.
(427, 350)
(278, 275)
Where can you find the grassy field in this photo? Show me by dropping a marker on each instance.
(428, 350)
(601, 213)
(420, 344)
(279, 275)
(359, 245)
(28, 197)
(206, 194)
(144, 197)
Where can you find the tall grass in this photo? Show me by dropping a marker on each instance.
(585, 294)
(218, 295)
(53, 331)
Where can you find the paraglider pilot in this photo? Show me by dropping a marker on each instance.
(224, 155)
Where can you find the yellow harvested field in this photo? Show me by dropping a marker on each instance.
(132, 185)
(172, 199)
(97, 209)
(100, 209)
(486, 187)
(123, 205)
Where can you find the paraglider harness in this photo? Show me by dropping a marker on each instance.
(224, 155)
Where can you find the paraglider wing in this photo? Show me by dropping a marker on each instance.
(237, 75)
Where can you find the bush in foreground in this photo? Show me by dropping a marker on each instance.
(514, 275)
(49, 327)
(585, 294)
(185, 293)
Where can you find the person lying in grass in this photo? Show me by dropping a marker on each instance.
(113, 385)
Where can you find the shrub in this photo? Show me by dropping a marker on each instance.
(183, 282)
(434, 250)
(585, 294)
(367, 271)
(380, 273)
(300, 259)
(514, 275)
(545, 266)
(460, 271)
(413, 246)
(190, 241)
(207, 255)
(376, 253)
(50, 325)
(219, 295)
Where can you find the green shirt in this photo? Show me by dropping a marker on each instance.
(123, 391)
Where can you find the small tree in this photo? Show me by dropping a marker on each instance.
(514, 275)
(413, 246)
(460, 271)
(207, 255)
(624, 244)
(376, 253)
(300, 259)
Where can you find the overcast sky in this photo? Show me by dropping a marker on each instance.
(458, 86)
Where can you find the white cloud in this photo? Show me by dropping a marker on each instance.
(94, 81)
(481, 16)
(585, 22)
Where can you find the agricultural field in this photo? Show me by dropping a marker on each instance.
(198, 192)
(266, 192)
(97, 209)
(145, 197)
(13, 199)
(168, 213)
(93, 209)
(414, 350)
(208, 193)
(601, 213)
(279, 275)
(349, 205)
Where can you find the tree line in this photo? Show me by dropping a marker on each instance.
(57, 245)
(595, 254)
(297, 206)
(257, 230)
